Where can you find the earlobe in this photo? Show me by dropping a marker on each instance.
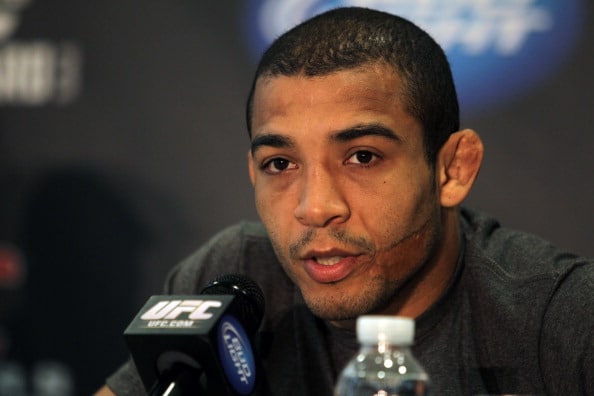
(458, 162)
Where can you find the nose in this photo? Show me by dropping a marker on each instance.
(321, 201)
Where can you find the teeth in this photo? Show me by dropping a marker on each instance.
(328, 260)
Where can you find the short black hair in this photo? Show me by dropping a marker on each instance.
(350, 37)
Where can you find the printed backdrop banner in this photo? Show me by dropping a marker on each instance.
(123, 147)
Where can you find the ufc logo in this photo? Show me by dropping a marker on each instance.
(196, 309)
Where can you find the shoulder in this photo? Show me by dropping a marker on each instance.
(568, 327)
(518, 264)
(544, 293)
(514, 252)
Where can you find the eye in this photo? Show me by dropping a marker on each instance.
(362, 157)
(277, 165)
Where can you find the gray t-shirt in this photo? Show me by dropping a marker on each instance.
(518, 317)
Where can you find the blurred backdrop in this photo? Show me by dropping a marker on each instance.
(123, 147)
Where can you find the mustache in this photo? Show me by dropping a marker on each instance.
(361, 244)
(340, 236)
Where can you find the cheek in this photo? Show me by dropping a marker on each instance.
(275, 213)
(276, 197)
(399, 210)
(260, 206)
(404, 255)
(269, 204)
(394, 208)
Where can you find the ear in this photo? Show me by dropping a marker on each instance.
(458, 164)
(251, 167)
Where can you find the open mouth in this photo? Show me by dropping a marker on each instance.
(328, 260)
(330, 269)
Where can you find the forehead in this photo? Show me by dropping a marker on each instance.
(371, 93)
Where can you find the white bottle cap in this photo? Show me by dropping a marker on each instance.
(393, 329)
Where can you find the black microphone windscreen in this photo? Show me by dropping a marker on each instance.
(249, 305)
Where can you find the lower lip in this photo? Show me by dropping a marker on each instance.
(330, 273)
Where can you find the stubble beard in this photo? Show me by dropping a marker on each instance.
(334, 306)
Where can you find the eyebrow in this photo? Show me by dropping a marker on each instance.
(346, 135)
(271, 140)
(359, 131)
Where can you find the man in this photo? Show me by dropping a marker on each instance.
(359, 168)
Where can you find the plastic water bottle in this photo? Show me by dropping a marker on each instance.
(384, 365)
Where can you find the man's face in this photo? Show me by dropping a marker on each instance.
(343, 187)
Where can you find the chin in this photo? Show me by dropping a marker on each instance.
(338, 306)
(333, 314)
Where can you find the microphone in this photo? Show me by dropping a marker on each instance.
(199, 344)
